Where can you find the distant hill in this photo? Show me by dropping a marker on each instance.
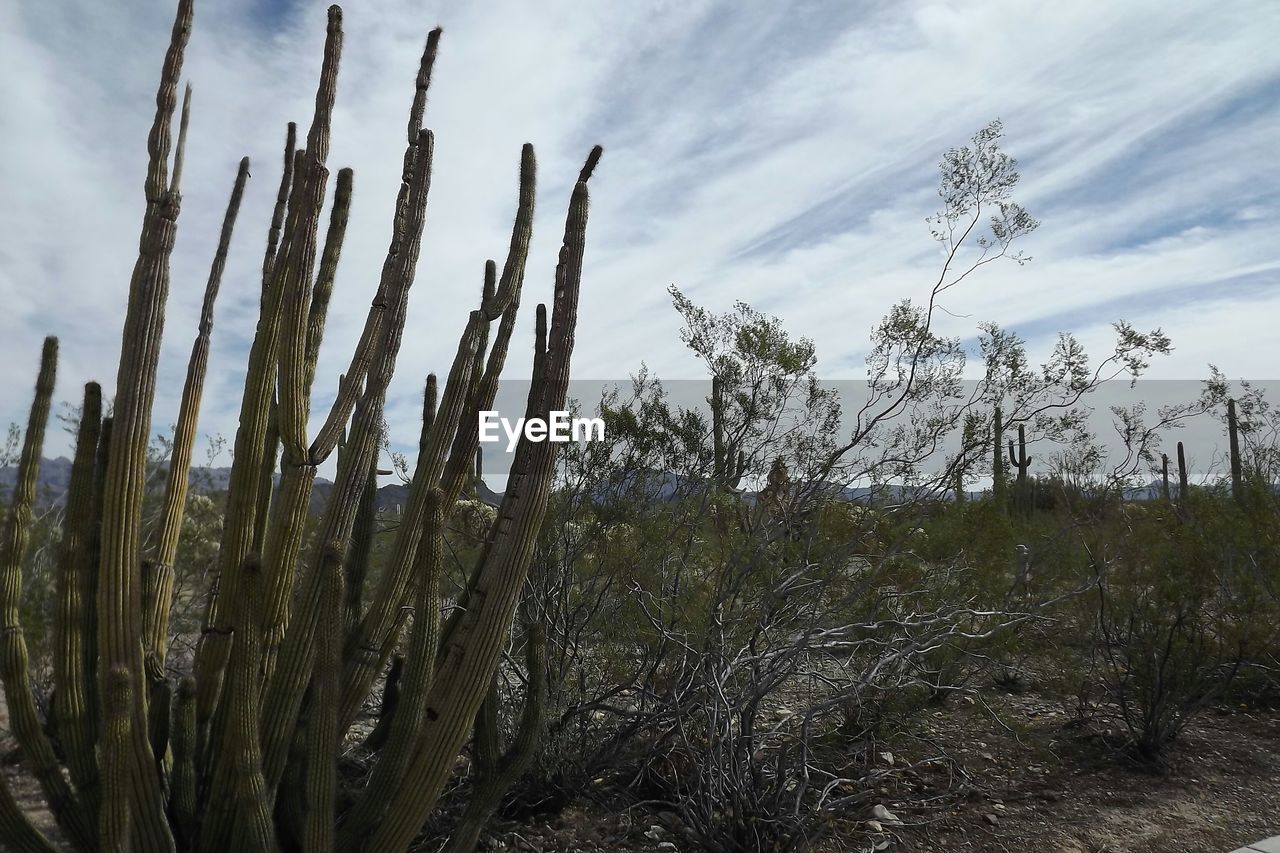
(55, 478)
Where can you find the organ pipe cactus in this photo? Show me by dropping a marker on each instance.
(292, 643)
(1164, 476)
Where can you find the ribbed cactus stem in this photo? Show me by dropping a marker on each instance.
(403, 725)
(169, 528)
(286, 688)
(430, 402)
(356, 567)
(16, 828)
(281, 207)
(14, 662)
(329, 256)
(494, 771)
(237, 806)
(114, 818)
(119, 595)
(1164, 476)
(182, 788)
(72, 669)
(279, 345)
(469, 659)
(322, 735)
(179, 151)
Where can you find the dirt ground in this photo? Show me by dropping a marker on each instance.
(1015, 778)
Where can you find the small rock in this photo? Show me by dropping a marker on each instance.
(654, 833)
(885, 816)
(990, 818)
(887, 758)
(667, 845)
(875, 826)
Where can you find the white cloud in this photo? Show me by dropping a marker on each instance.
(783, 154)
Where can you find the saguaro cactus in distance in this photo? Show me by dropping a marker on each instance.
(999, 480)
(292, 642)
(1237, 467)
(1022, 462)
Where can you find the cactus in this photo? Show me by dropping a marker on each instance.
(23, 714)
(494, 771)
(1022, 462)
(1164, 476)
(729, 463)
(114, 817)
(243, 753)
(999, 478)
(1183, 490)
(165, 549)
(73, 668)
(1237, 468)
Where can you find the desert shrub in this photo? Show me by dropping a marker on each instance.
(1178, 606)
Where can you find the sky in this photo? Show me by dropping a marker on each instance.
(783, 154)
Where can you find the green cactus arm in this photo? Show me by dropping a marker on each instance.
(16, 829)
(368, 647)
(285, 690)
(402, 737)
(241, 521)
(14, 663)
(322, 292)
(169, 528)
(71, 672)
(182, 789)
(322, 735)
(175, 180)
(236, 806)
(114, 819)
(494, 771)
(433, 468)
(283, 194)
(468, 662)
(119, 595)
(280, 344)
(266, 479)
(430, 402)
(401, 257)
(356, 564)
(508, 288)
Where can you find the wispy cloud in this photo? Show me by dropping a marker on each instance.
(783, 154)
